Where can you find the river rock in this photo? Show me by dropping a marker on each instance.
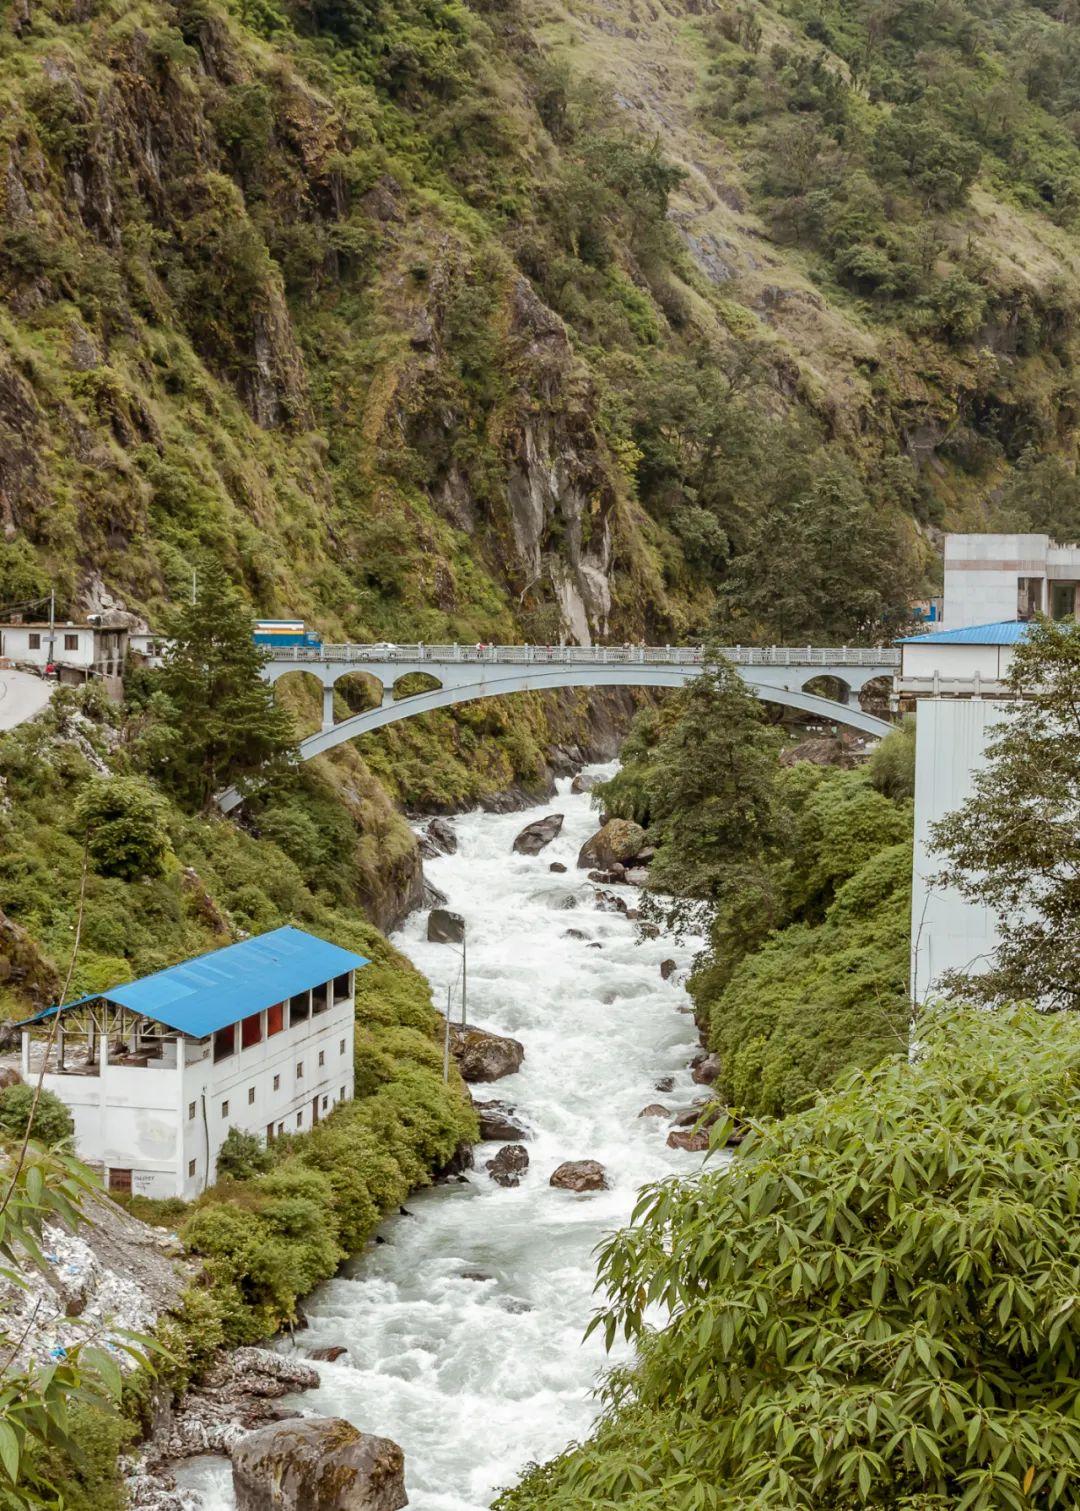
(444, 927)
(484, 1056)
(611, 902)
(618, 841)
(584, 782)
(574, 934)
(318, 1464)
(509, 1165)
(497, 1122)
(328, 1355)
(433, 897)
(705, 1069)
(649, 930)
(440, 833)
(238, 1392)
(594, 946)
(654, 1110)
(686, 1138)
(580, 1175)
(454, 1169)
(558, 867)
(539, 833)
(636, 876)
(667, 969)
(705, 1112)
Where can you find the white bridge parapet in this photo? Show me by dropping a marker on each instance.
(463, 673)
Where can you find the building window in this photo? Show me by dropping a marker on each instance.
(269, 1133)
(299, 1119)
(325, 1100)
(299, 1008)
(224, 1042)
(299, 1070)
(190, 1111)
(251, 1030)
(191, 1167)
(224, 1109)
(1028, 597)
(277, 1083)
(71, 642)
(341, 1047)
(120, 1180)
(34, 641)
(343, 1093)
(275, 1019)
(343, 987)
(320, 997)
(281, 1128)
(322, 1058)
(251, 1095)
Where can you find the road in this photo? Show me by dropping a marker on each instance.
(21, 697)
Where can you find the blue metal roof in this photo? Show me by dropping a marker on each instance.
(1004, 632)
(209, 991)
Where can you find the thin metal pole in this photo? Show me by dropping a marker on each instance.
(446, 1040)
(52, 625)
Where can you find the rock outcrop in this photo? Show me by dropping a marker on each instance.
(694, 1142)
(580, 1175)
(705, 1069)
(498, 1121)
(318, 1464)
(619, 841)
(237, 1394)
(585, 782)
(508, 1166)
(445, 927)
(484, 1056)
(654, 1110)
(537, 835)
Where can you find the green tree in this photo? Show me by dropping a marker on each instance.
(873, 1305)
(124, 821)
(710, 793)
(222, 723)
(1014, 845)
(52, 1121)
(1041, 493)
(242, 1156)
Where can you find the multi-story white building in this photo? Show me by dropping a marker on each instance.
(990, 578)
(956, 680)
(256, 1036)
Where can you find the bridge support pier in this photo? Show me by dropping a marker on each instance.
(327, 709)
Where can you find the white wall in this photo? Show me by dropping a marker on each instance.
(981, 573)
(947, 932)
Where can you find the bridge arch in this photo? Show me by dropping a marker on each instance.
(492, 681)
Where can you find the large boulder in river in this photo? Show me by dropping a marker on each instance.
(440, 833)
(617, 842)
(694, 1141)
(705, 1069)
(317, 1464)
(509, 1165)
(539, 833)
(484, 1056)
(498, 1122)
(580, 1175)
(585, 781)
(444, 927)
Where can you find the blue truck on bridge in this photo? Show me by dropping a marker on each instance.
(277, 634)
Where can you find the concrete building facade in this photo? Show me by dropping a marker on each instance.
(78, 651)
(991, 578)
(256, 1036)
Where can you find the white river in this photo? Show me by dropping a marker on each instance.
(464, 1329)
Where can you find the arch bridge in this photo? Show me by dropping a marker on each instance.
(778, 674)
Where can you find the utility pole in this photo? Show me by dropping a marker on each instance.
(52, 626)
(464, 979)
(194, 584)
(446, 1041)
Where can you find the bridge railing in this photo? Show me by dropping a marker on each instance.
(598, 655)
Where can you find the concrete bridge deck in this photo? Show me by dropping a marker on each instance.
(778, 674)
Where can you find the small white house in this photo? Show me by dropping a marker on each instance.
(991, 578)
(78, 651)
(256, 1036)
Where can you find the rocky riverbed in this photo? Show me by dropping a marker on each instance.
(460, 1334)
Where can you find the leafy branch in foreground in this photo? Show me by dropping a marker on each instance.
(874, 1304)
(37, 1398)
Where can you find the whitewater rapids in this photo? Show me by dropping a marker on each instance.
(464, 1327)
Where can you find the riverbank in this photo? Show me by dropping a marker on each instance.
(473, 1308)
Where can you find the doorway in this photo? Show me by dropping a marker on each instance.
(1062, 600)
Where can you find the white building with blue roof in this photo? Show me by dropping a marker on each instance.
(256, 1036)
(957, 678)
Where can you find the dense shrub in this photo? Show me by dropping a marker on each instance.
(124, 821)
(52, 1121)
(874, 1305)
